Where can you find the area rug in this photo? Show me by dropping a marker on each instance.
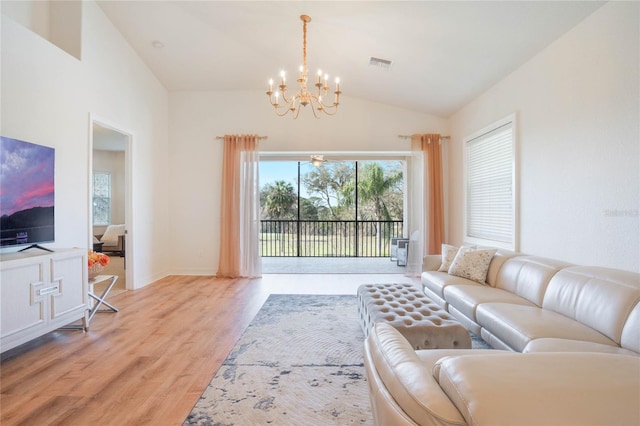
(298, 363)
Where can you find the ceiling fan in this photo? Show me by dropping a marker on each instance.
(318, 160)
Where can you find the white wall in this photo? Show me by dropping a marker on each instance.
(34, 15)
(47, 97)
(578, 108)
(196, 118)
(60, 22)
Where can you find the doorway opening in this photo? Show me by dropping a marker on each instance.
(110, 201)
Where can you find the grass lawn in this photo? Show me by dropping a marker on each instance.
(286, 244)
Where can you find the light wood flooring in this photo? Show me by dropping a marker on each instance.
(115, 267)
(150, 362)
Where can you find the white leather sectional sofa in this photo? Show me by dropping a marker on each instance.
(532, 303)
(570, 340)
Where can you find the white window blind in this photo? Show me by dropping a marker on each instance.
(490, 200)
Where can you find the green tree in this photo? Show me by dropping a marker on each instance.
(374, 185)
(279, 203)
(328, 182)
(279, 200)
(309, 208)
(377, 191)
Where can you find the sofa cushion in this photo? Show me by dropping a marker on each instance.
(528, 276)
(598, 297)
(550, 344)
(437, 281)
(472, 264)
(517, 325)
(496, 264)
(466, 298)
(433, 262)
(111, 234)
(543, 388)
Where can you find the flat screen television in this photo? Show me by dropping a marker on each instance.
(27, 193)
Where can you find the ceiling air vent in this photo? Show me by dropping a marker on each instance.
(384, 64)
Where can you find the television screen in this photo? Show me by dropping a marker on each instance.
(26, 193)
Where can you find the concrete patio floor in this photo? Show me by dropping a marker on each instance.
(330, 265)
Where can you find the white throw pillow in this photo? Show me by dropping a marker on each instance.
(112, 233)
(472, 264)
(448, 254)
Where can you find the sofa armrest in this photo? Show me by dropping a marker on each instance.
(405, 391)
(431, 262)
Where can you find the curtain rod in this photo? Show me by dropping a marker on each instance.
(259, 137)
(409, 137)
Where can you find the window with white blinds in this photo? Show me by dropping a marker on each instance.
(490, 192)
(101, 198)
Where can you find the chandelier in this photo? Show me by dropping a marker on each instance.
(283, 104)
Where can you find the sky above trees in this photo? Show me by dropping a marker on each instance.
(328, 191)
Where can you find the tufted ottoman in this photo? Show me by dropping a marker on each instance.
(423, 323)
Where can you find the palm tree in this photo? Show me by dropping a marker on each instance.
(373, 187)
(280, 199)
(279, 202)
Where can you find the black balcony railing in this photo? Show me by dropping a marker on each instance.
(328, 238)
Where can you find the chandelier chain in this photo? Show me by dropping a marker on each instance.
(304, 44)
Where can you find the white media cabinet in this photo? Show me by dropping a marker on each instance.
(40, 292)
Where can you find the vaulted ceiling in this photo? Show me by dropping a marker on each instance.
(443, 53)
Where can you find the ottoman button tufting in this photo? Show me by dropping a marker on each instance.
(423, 323)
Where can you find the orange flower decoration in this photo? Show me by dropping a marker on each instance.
(95, 257)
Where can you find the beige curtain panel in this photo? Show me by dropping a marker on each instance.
(431, 148)
(240, 208)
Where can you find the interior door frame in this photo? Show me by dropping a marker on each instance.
(128, 210)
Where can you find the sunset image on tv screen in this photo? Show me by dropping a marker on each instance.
(27, 174)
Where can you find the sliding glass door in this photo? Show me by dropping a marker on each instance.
(334, 209)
